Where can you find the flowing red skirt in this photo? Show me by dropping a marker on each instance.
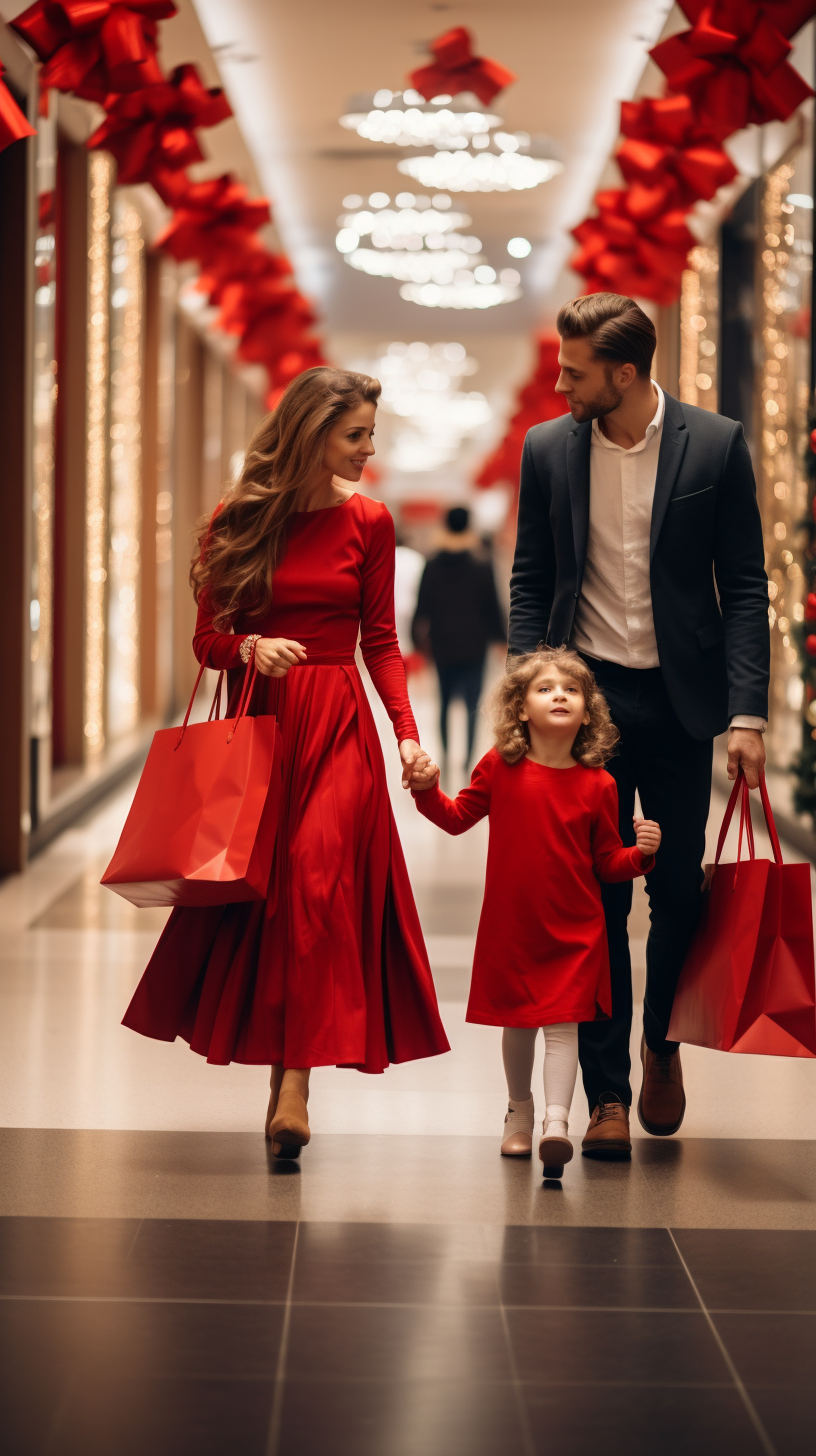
(331, 970)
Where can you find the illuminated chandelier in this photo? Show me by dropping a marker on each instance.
(420, 244)
(506, 162)
(406, 119)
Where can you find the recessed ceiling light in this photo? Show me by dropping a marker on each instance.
(519, 247)
(353, 200)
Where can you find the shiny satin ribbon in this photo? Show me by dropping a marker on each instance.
(213, 219)
(153, 130)
(95, 47)
(13, 124)
(733, 62)
(666, 159)
(455, 68)
(620, 254)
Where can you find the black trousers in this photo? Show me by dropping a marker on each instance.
(672, 773)
(460, 680)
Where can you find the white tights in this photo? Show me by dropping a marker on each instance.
(560, 1062)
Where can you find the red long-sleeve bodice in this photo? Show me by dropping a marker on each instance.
(336, 580)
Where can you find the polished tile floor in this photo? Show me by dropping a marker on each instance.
(163, 1289)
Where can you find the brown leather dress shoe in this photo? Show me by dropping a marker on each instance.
(662, 1101)
(608, 1133)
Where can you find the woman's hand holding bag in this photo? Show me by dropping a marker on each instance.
(202, 825)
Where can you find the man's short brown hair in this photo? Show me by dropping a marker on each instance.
(617, 329)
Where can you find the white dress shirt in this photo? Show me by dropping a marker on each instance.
(613, 619)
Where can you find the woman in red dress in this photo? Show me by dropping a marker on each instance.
(331, 970)
(541, 956)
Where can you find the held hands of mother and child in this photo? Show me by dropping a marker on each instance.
(275, 655)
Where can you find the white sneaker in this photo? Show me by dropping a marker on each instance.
(518, 1130)
(555, 1148)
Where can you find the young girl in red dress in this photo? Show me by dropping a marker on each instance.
(541, 955)
(330, 970)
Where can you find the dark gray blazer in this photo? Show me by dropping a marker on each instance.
(709, 588)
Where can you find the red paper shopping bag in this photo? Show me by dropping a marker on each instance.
(201, 829)
(747, 984)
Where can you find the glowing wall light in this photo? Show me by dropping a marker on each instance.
(100, 165)
(125, 509)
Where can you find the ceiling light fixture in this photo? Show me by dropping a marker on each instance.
(405, 119)
(485, 171)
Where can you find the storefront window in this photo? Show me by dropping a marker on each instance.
(125, 506)
(44, 405)
(784, 269)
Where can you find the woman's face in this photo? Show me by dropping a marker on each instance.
(350, 444)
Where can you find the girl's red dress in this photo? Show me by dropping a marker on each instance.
(541, 952)
(332, 968)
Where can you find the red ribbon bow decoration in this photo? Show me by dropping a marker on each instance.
(537, 401)
(13, 124)
(455, 68)
(212, 221)
(666, 159)
(733, 62)
(619, 255)
(94, 47)
(251, 265)
(153, 131)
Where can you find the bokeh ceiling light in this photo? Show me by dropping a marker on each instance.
(519, 248)
(459, 293)
(405, 119)
(421, 387)
(424, 267)
(502, 171)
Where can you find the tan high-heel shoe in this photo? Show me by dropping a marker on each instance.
(289, 1128)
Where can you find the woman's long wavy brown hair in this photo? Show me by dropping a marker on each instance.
(595, 742)
(239, 548)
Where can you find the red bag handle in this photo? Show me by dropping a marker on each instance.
(215, 706)
(741, 789)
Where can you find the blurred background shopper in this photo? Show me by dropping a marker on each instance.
(458, 615)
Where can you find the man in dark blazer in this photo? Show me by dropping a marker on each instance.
(640, 545)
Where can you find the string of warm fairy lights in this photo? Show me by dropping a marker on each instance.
(699, 326)
(781, 485)
(101, 171)
(125, 508)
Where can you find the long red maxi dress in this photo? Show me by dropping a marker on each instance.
(331, 970)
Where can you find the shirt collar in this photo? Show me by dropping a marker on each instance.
(652, 429)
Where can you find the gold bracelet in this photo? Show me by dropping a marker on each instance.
(247, 648)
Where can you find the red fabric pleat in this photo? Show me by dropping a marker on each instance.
(331, 970)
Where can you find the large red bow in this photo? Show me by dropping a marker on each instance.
(537, 401)
(153, 131)
(733, 62)
(455, 68)
(619, 255)
(13, 124)
(666, 159)
(94, 47)
(250, 265)
(213, 220)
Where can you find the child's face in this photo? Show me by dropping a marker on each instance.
(554, 703)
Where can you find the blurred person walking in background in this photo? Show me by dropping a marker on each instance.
(458, 615)
(409, 565)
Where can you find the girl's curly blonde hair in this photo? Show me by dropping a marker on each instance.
(596, 740)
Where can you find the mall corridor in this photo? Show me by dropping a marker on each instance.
(167, 1287)
(388, 350)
